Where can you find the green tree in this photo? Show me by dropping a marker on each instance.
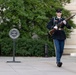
(29, 16)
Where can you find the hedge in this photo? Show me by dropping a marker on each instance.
(26, 47)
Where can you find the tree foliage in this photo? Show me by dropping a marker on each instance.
(30, 17)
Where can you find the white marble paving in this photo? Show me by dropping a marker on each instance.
(37, 66)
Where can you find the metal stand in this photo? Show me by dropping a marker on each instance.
(46, 50)
(14, 49)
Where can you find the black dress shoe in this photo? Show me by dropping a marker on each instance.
(59, 64)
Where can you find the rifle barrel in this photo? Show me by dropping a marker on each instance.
(52, 31)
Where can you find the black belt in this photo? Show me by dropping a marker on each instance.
(60, 28)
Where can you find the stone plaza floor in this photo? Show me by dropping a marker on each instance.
(37, 66)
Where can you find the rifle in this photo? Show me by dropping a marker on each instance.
(60, 24)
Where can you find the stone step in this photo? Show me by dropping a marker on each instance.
(72, 38)
(68, 52)
(68, 49)
(70, 42)
(73, 54)
(70, 46)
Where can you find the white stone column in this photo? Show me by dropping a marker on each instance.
(70, 44)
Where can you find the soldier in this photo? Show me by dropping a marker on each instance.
(59, 34)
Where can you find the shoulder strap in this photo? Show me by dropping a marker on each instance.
(53, 20)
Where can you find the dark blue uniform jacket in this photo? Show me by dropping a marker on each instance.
(58, 34)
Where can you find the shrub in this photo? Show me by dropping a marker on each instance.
(26, 47)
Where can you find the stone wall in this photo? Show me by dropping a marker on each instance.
(70, 44)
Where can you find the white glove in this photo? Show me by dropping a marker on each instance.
(64, 22)
(55, 27)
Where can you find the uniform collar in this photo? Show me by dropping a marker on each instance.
(58, 17)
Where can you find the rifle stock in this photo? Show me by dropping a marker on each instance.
(53, 30)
